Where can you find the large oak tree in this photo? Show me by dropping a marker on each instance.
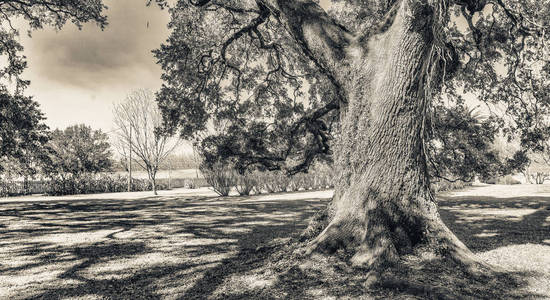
(293, 82)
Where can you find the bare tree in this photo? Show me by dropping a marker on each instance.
(139, 119)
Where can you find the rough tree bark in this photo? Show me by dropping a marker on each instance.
(383, 205)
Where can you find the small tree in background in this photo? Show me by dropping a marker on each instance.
(79, 150)
(139, 121)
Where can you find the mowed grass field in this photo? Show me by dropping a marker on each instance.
(202, 247)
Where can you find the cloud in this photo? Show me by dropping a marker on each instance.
(94, 59)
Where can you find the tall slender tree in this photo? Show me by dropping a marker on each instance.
(139, 122)
(288, 76)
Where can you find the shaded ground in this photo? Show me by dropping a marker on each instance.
(195, 247)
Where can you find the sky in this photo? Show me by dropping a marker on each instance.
(77, 75)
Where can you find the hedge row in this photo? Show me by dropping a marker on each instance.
(188, 183)
(223, 179)
(92, 184)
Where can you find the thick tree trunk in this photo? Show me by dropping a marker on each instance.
(383, 205)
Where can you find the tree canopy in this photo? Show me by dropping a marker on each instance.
(243, 65)
(22, 135)
(21, 127)
(78, 150)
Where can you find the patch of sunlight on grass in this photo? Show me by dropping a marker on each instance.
(38, 275)
(229, 230)
(123, 268)
(126, 234)
(514, 214)
(277, 215)
(210, 219)
(205, 242)
(546, 221)
(85, 297)
(486, 234)
(295, 196)
(525, 257)
(254, 223)
(531, 258)
(319, 294)
(69, 239)
(252, 281)
(10, 262)
(21, 225)
(246, 284)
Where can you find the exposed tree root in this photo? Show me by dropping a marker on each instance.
(425, 273)
(324, 235)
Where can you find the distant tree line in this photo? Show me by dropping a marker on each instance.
(69, 161)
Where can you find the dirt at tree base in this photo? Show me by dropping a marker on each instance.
(279, 272)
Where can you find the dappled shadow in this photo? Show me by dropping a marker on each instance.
(137, 249)
(486, 223)
(280, 275)
(425, 279)
(219, 248)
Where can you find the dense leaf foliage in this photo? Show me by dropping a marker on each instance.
(78, 150)
(463, 147)
(22, 133)
(236, 76)
(238, 68)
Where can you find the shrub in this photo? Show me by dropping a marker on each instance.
(508, 180)
(245, 183)
(220, 177)
(322, 177)
(276, 181)
(444, 185)
(190, 184)
(259, 186)
(297, 182)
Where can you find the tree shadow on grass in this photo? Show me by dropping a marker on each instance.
(487, 223)
(197, 248)
(322, 277)
(483, 223)
(93, 245)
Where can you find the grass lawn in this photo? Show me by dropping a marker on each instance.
(197, 247)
